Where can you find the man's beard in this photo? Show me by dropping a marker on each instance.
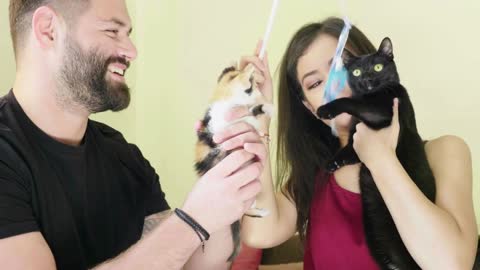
(83, 81)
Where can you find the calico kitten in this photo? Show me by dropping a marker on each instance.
(375, 83)
(235, 88)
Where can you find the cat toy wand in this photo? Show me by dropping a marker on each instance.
(271, 19)
(261, 55)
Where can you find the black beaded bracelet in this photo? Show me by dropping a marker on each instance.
(199, 230)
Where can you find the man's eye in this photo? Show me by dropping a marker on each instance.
(113, 31)
(317, 83)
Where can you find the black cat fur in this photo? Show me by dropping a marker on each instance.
(372, 103)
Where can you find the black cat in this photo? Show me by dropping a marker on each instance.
(375, 83)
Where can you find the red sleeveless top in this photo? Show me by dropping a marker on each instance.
(335, 236)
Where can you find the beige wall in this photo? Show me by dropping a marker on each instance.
(7, 61)
(184, 44)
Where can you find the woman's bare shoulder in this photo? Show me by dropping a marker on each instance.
(443, 147)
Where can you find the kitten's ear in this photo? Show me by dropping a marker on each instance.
(386, 48)
(225, 71)
(347, 57)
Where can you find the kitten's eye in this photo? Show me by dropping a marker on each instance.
(378, 67)
(357, 72)
(317, 83)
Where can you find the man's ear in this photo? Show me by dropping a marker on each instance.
(44, 27)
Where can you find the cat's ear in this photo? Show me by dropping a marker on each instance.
(386, 48)
(347, 57)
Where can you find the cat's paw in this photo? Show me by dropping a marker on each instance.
(333, 166)
(256, 212)
(325, 112)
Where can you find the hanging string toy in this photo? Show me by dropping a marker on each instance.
(338, 75)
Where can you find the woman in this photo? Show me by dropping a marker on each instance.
(326, 209)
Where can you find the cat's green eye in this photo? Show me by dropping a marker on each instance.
(378, 67)
(357, 72)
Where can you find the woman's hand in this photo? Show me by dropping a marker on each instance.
(262, 72)
(372, 146)
(263, 81)
(245, 132)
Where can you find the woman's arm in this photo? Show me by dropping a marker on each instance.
(279, 225)
(439, 235)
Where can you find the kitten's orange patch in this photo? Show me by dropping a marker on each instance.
(201, 151)
(224, 89)
(230, 82)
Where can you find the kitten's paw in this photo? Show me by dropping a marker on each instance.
(269, 109)
(324, 112)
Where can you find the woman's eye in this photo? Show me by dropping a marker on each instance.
(357, 72)
(317, 83)
(378, 67)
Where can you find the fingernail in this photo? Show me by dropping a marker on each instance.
(247, 146)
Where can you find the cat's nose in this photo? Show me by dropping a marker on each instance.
(369, 84)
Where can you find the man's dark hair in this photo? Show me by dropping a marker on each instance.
(21, 13)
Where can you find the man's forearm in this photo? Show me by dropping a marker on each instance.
(167, 247)
(217, 251)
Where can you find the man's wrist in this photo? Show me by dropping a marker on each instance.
(189, 230)
(201, 232)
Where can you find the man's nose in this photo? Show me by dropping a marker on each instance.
(128, 50)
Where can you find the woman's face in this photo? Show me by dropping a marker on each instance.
(312, 70)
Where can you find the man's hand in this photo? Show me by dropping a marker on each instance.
(225, 192)
(228, 190)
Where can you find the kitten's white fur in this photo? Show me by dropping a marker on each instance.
(217, 122)
(219, 109)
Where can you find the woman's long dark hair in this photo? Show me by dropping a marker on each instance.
(305, 143)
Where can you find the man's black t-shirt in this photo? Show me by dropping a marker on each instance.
(89, 202)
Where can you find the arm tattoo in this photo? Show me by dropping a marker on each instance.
(152, 221)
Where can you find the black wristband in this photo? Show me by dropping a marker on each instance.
(199, 230)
